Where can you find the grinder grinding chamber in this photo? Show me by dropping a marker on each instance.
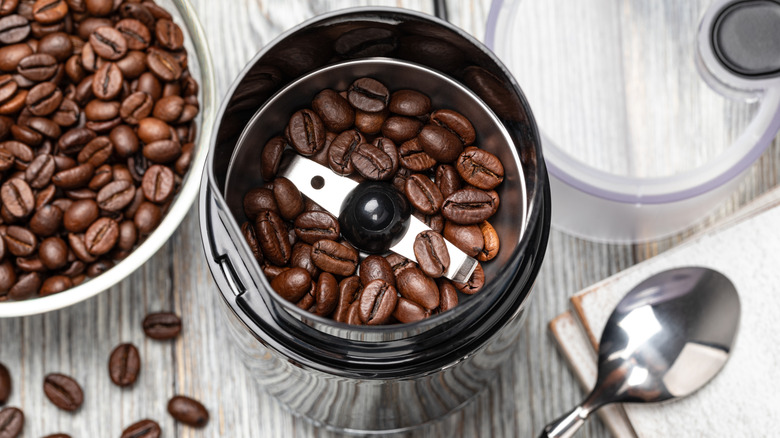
(392, 377)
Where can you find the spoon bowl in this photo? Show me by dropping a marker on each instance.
(666, 338)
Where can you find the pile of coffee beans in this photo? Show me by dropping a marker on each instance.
(368, 132)
(124, 365)
(97, 111)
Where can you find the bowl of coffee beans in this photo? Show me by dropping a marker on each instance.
(374, 214)
(105, 113)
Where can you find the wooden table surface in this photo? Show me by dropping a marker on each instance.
(201, 363)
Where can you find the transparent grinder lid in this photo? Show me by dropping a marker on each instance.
(649, 111)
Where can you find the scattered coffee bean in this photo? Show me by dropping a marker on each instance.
(5, 384)
(63, 391)
(124, 364)
(142, 429)
(188, 411)
(162, 325)
(11, 422)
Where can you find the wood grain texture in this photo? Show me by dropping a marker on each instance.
(536, 388)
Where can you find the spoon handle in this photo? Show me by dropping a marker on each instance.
(567, 425)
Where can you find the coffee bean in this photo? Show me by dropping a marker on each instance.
(367, 94)
(370, 123)
(468, 238)
(15, 103)
(63, 391)
(136, 107)
(468, 206)
(413, 157)
(55, 284)
(7, 278)
(11, 422)
(492, 243)
(147, 217)
(17, 197)
(257, 200)
(124, 364)
(107, 83)
(414, 285)
(128, 236)
(272, 233)
(142, 429)
(188, 411)
(447, 179)
(334, 110)
(53, 253)
(162, 151)
(448, 295)
(108, 42)
(28, 285)
(410, 103)
(45, 127)
(124, 140)
(46, 220)
(423, 194)
(13, 28)
(21, 242)
(431, 253)
(271, 157)
(480, 168)
(8, 6)
(74, 177)
(57, 44)
(169, 35)
(163, 65)
(307, 302)
(5, 385)
(353, 313)
(162, 325)
(38, 67)
(75, 139)
(456, 123)
(116, 195)
(441, 144)
(376, 267)
(292, 284)
(349, 291)
(326, 294)
(288, 198)
(58, 435)
(101, 236)
(159, 183)
(135, 32)
(341, 150)
(132, 65)
(22, 153)
(372, 162)
(44, 98)
(99, 7)
(49, 11)
(474, 284)
(334, 257)
(399, 129)
(100, 110)
(79, 248)
(313, 226)
(67, 114)
(407, 311)
(377, 302)
(306, 132)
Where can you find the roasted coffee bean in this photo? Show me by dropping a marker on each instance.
(46, 220)
(301, 258)
(349, 291)
(413, 157)
(441, 144)
(57, 44)
(7, 278)
(480, 168)
(292, 284)
(124, 140)
(492, 243)
(83, 92)
(271, 157)
(272, 233)
(107, 83)
(147, 217)
(17, 197)
(162, 151)
(10, 55)
(128, 236)
(423, 194)
(55, 284)
(407, 311)
(399, 128)
(370, 123)
(188, 411)
(257, 200)
(448, 295)
(116, 195)
(271, 271)
(96, 152)
(474, 284)
(109, 43)
(151, 129)
(456, 123)
(163, 65)
(15, 103)
(8, 7)
(306, 132)
(38, 67)
(353, 314)
(142, 429)
(162, 325)
(99, 7)
(101, 236)
(169, 108)
(136, 107)
(159, 183)
(169, 35)
(410, 103)
(313, 226)
(75, 139)
(414, 285)
(63, 391)
(22, 153)
(334, 110)
(372, 163)
(307, 301)
(447, 179)
(136, 34)
(100, 110)
(13, 28)
(334, 257)
(53, 253)
(49, 11)
(67, 114)
(19, 241)
(341, 150)
(132, 65)
(11, 422)
(432, 255)
(367, 94)
(468, 206)
(288, 198)
(27, 286)
(248, 230)
(5, 385)
(468, 238)
(124, 364)
(8, 87)
(44, 98)
(7, 159)
(79, 248)
(26, 135)
(45, 127)
(376, 267)
(326, 294)
(74, 177)
(377, 302)
(30, 264)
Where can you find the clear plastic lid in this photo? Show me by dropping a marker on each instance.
(645, 108)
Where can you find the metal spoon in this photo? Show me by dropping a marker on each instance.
(666, 339)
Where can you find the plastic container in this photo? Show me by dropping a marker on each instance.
(637, 105)
(392, 378)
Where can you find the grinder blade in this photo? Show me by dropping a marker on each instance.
(329, 190)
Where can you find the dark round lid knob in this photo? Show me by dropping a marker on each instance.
(374, 217)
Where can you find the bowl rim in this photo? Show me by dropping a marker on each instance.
(178, 209)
